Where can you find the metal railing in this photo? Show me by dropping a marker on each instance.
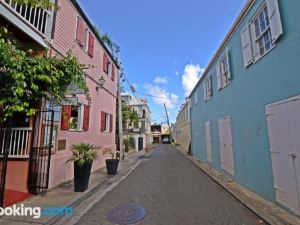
(18, 142)
(36, 17)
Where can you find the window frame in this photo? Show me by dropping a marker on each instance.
(253, 31)
(80, 117)
(107, 123)
(225, 80)
(208, 88)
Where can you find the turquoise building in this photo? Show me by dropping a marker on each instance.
(245, 109)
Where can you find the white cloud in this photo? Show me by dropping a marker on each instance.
(162, 96)
(160, 80)
(192, 73)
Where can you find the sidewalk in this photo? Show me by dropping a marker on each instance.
(64, 195)
(268, 211)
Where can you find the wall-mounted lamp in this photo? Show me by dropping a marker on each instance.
(101, 82)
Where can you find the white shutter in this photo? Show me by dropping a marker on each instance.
(219, 79)
(275, 21)
(255, 46)
(246, 45)
(210, 86)
(205, 91)
(228, 64)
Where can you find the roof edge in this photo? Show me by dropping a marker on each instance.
(248, 5)
(92, 28)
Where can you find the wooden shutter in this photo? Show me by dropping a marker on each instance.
(91, 44)
(86, 117)
(105, 63)
(103, 119)
(79, 29)
(113, 73)
(228, 64)
(219, 79)
(111, 123)
(246, 46)
(65, 117)
(255, 46)
(80, 34)
(275, 20)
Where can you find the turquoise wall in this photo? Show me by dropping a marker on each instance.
(274, 77)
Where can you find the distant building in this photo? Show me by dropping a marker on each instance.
(165, 133)
(181, 132)
(141, 131)
(156, 133)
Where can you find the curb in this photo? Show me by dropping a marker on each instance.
(267, 217)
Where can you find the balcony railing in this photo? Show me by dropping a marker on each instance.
(36, 17)
(18, 142)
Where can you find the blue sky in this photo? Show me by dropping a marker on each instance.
(165, 44)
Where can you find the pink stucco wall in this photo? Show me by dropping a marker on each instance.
(65, 40)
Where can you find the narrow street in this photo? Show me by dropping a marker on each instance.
(173, 191)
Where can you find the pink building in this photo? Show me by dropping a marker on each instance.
(67, 29)
(78, 121)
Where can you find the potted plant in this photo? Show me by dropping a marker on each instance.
(83, 156)
(111, 164)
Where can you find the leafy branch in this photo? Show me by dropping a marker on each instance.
(26, 79)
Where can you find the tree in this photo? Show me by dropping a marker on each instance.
(25, 79)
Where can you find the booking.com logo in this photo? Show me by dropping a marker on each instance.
(36, 212)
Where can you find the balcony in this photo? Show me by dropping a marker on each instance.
(18, 142)
(34, 21)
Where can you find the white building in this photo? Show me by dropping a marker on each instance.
(140, 131)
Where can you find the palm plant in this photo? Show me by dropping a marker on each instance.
(83, 153)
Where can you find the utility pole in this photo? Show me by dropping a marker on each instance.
(168, 121)
(122, 155)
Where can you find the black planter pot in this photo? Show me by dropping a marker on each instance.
(82, 176)
(112, 166)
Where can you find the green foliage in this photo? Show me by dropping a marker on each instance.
(26, 79)
(39, 3)
(129, 143)
(132, 116)
(83, 153)
(113, 46)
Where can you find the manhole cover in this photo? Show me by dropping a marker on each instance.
(126, 214)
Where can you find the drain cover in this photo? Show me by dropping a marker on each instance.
(126, 214)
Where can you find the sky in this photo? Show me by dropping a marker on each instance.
(165, 44)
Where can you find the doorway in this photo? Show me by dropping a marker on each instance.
(226, 147)
(141, 143)
(283, 120)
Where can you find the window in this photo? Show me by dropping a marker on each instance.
(223, 71)
(196, 97)
(85, 37)
(208, 88)
(262, 31)
(109, 67)
(261, 34)
(106, 122)
(75, 117)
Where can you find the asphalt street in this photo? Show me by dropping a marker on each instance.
(174, 192)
